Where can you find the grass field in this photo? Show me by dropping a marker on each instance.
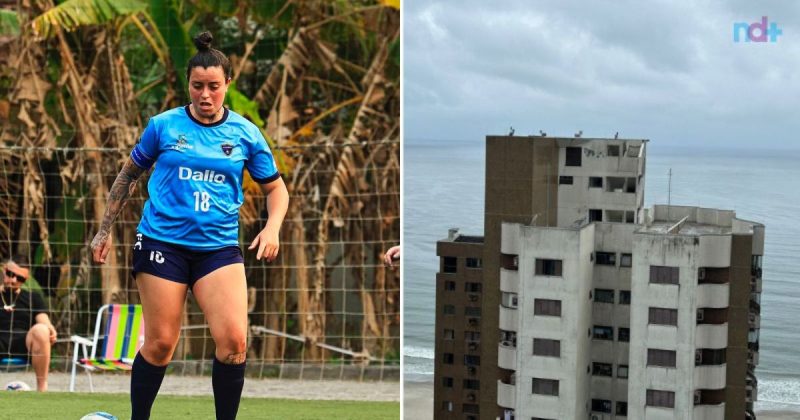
(69, 406)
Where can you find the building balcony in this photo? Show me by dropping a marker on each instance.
(709, 411)
(752, 357)
(659, 413)
(509, 281)
(710, 377)
(754, 320)
(509, 238)
(508, 319)
(755, 285)
(713, 295)
(506, 355)
(506, 395)
(711, 336)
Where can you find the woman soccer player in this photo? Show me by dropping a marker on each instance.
(188, 235)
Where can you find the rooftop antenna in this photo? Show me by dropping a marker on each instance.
(669, 193)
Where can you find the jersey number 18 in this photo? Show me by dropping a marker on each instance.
(201, 201)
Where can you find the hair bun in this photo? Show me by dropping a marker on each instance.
(203, 41)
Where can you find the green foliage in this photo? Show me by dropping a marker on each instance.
(73, 14)
(243, 105)
(168, 21)
(9, 23)
(62, 405)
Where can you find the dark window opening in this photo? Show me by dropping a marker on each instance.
(449, 285)
(547, 307)
(449, 264)
(545, 386)
(472, 384)
(595, 215)
(622, 408)
(573, 156)
(449, 310)
(600, 332)
(605, 258)
(548, 267)
(601, 406)
(447, 382)
(474, 263)
(624, 297)
(447, 358)
(472, 287)
(545, 347)
(663, 316)
(657, 398)
(604, 295)
(661, 358)
(595, 182)
(565, 180)
(601, 369)
(664, 275)
(624, 334)
(470, 360)
(613, 150)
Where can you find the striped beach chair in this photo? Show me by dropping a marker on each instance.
(115, 348)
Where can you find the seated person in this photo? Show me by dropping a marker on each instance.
(25, 328)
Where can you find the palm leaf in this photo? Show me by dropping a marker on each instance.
(176, 38)
(9, 23)
(73, 14)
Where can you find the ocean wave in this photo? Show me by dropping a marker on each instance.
(418, 352)
(779, 391)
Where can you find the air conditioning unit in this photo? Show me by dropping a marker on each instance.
(698, 396)
(516, 261)
(471, 370)
(473, 298)
(473, 322)
(473, 346)
(698, 357)
(514, 301)
(471, 397)
(701, 314)
(598, 417)
(701, 273)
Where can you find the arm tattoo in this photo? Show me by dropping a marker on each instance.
(234, 359)
(121, 190)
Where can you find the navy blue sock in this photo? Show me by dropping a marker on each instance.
(145, 382)
(227, 381)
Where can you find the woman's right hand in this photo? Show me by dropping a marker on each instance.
(101, 244)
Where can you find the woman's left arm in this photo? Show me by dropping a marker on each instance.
(268, 240)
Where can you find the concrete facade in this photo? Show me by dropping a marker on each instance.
(638, 313)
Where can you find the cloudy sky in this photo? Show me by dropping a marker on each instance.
(668, 71)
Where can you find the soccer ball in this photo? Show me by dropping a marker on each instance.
(17, 386)
(99, 415)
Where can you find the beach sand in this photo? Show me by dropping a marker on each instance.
(418, 404)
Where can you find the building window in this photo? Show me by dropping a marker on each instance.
(447, 382)
(565, 180)
(449, 310)
(623, 334)
(472, 287)
(545, 386)
(709, 357)
(624, 297)
(605, 258)
(601, 406)
(663, 316)
(449, 334)
(449, 264)
(630, 217)
(470, 408)
(472, 311)
(625, 260)
(595, 215)
(472, 336)
(472, 384)
(622, 408)
(622, 371)
(573, 155)
(447, 358)
(548, 267)
(546, 347)
(604, 295)
(602, 369)
(449, 285)
(595, 182)
(548, 307)
(661, 358)
(474, 263)
(613, 150)
(470, 360)
(603, 333)
(656, 398)
(447, 405)
(663, 275)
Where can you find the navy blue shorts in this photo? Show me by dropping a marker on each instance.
(177, 263)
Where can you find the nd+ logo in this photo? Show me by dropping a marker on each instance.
(756, 31)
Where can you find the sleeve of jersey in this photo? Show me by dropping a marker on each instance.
(37, 304)
(145, 152)
(261, 163)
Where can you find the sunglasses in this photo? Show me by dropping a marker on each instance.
(20, 278)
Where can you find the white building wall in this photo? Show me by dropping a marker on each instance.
(674, 251)
(573, 248)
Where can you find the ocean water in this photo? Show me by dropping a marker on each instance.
(444, 188)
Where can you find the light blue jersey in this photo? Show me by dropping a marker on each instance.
(196, 186)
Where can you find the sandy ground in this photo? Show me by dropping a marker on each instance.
(200, 385)
(418, 404)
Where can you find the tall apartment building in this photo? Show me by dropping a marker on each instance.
(541, 181)
(584, 313)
